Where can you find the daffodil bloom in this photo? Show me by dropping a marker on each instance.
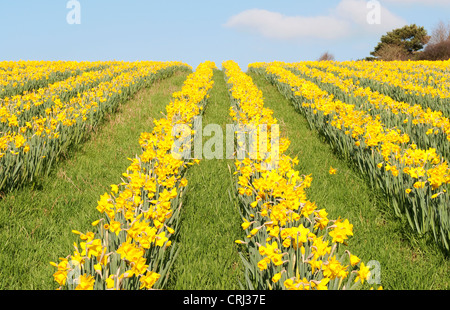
(161, 239)
(276, 277)
(110, 282)
(149, 280)
(354, 260)
(320, 285)
(114, 188)
(363, 273)
(60, 277)
(262, 264)
(341, 231)
(246, 224)
(315, 265)
(85, 283)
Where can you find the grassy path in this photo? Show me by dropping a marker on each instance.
(36, 223)
(210, 223)
(406, 262)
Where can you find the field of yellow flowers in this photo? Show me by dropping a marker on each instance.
(387, 125)
(37, 125)
(291, 242)
(401, 147)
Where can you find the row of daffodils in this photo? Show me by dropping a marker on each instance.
(36, 127)
(428, 128)
(382, 137)
(16, 110)
(422, 82)
(290, 242)
(17, 77)
(132, 247)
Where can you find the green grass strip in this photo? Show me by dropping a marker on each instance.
(210, 222)
(406, 261)
(36, 223)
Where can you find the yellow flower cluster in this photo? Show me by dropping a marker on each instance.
(414, 177)
(429, 121)
(129, 251)
(19, 76)
(419, 78)
(32, 141)
(291, 243)
(15, 111)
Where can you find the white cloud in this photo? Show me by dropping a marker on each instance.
(348, 19)
(276, 25)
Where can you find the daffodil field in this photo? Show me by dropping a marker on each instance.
(401, 147)
(37, 126)
(131, 249)
(384, 125)
(291, 242)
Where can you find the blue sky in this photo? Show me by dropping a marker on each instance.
(193, 31)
